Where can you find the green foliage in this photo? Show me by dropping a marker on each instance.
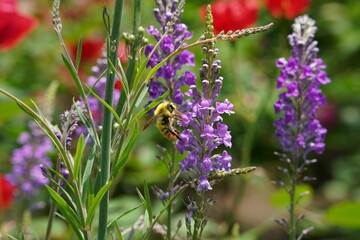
(303, 195)
(344, 214)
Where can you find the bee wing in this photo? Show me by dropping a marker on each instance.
(149, 122)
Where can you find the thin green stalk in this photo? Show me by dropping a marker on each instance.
(131, 64)
(58, 26)
(169, 222)
(171, 186)
(107, 120)
(292, 227)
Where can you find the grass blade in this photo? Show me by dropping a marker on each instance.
(94, 204)
(78, 53)
(78, 156)
(67, 212)
(126, 152)
(148, 201)
(124, 214)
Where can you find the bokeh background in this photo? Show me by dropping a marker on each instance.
(245, 206)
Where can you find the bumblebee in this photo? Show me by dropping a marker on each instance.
(166, 115)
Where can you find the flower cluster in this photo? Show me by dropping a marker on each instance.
(26, 173)
(298, 130)
(170, 42)
(207, 132)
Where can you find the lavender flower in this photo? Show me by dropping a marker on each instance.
(69, 124)
(168, 72)
(26, 173)
(298, 130)
(205, 132)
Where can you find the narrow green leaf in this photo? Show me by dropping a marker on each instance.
(124, 214)
(142, 95)
(78, 156)
(126, 152)
(98, 79)
(63, 191)
(39, 112)
(107, 106)
(149, 107)
(86, 123)
(94, 204)
(141, 197)
(74, 76)
(140, 72)
(78, 53)
(118, 232)
(66, 211)
(89, 165)
(154, 69)
(121, 78)
(148, 200)
(11, 237)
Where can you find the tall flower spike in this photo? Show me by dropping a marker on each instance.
(298, 130)
(205, 132)
(168, 16)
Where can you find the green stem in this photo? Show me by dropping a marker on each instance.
(107, 120)
(169, 222)
(292, 227)
(171, 186)
(131, 64)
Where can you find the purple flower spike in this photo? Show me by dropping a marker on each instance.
(203, 118)
(167, 75)
(298, 130)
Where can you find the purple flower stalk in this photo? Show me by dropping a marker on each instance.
(205, 131)
(26, 172)
(166, 77)
(298, 130)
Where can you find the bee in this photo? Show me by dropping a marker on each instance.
(166, 115)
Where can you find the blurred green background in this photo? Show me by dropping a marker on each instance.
(245, 205)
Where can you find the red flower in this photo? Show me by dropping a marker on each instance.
(232, 14)
(6, 193)
(118, 85)
(91, 49)
(287, 8)
(14, 26)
